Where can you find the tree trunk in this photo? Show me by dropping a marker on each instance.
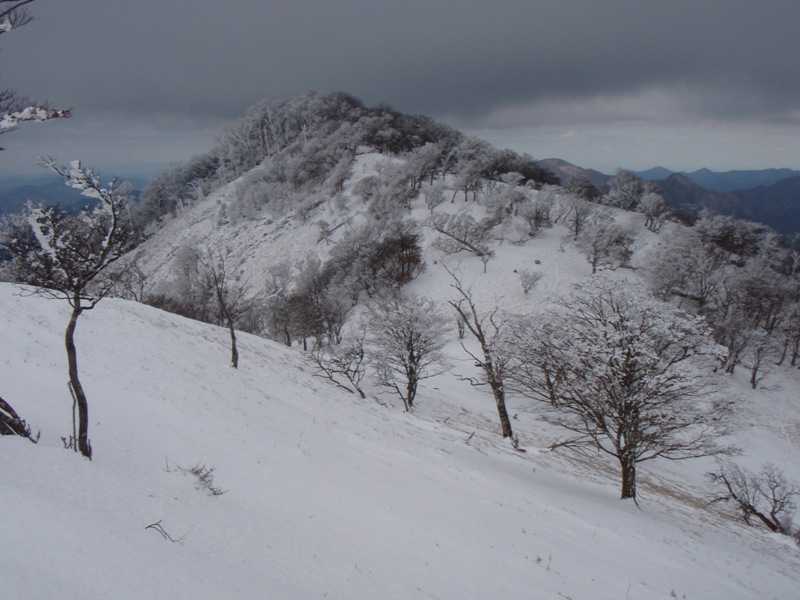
(628, 477)
(754, 373)
(84, 447)
(505, 422)
(411, 377)
(234, 350)
(495, 382)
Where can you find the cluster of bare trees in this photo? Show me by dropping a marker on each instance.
(630, 192)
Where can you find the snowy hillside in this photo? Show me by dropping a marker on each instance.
(326, 495)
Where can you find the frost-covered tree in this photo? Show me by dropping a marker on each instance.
(790, 329)
(407, 334)
(655, 209)
(434, 194)
(687, 266)
(68, 257)
(424, 162)
(626, 190)
(624, 373)
(605, 242)
(16, 109)
(472, 161)
(535, 213)
(583, 188)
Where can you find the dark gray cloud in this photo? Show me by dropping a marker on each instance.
(481, 65)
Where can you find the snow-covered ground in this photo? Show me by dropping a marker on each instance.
(328, 495)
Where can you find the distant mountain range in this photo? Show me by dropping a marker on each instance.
(567, 171)
(769, 196)
(727, 181)
(776, 204)
(15, 192)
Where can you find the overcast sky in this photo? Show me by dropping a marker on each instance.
(601, 83)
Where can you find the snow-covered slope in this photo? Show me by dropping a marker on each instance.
(328, 496)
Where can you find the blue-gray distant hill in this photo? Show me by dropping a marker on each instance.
(567, 172)
(776, 205)
(15, 192)
(769, 196)
(727, 181)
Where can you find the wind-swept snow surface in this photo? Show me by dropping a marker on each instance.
(328, 495)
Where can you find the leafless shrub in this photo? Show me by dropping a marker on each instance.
(205, 478)
(528, 279)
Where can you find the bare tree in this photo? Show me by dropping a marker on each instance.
(232, 297)
(577, 213)
(407, 333)
(461, 233)
(486, 328)
(762, 353)
(277, 302)
(434, 194)
(131, 283)
(626, 374)
(68, 257)
(766, 496)
(536, 214)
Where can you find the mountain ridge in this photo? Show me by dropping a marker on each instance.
(725, 181)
